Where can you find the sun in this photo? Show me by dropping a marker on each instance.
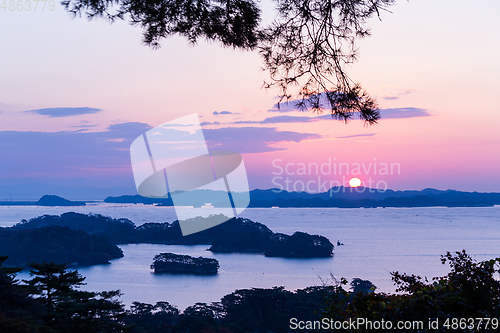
(355, 182)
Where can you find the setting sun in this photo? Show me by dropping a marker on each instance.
(355, 182)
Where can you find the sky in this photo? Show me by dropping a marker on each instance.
(74, 94)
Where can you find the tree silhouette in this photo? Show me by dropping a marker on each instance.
(362, 286)
(470, 290)
(53, 283)
(304, 50)
(17, 310)
(68, 309)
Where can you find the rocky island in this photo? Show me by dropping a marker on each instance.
(178, 263)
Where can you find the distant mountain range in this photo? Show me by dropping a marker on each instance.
(33, 191)
(342, 197)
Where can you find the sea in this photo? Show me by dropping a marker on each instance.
(376, 242)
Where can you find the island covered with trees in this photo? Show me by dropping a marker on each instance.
(56, 244)
(235, 235)
(178, 263)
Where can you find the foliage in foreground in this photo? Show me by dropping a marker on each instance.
(469, 290)
(51, 302)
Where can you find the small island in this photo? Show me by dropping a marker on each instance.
(54, 200)
(46, 200)
(178, 263)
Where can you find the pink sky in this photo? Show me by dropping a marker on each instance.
(421, 56)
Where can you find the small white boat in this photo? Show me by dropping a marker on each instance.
(207, 205)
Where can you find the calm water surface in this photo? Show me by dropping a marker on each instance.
(377, 241)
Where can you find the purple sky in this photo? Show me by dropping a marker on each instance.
(74, 94)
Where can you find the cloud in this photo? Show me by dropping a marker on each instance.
(83, 127)
(284, 107)
(354, 136)
(223, 112)
(398, 95)
(128, 129)
(64, 111)
(402, 113)
(104, 155)
(125, 132)
(291, 105)
(270, 120)
(277, 119)
(395, 113)
(69, 153)
(247, 140)
(205, 123)
(286, 119)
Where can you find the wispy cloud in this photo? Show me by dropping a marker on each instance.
(395, 113)
(129, 129)
(284, 107)
(223, 113)
(291, 105)
(354, 136)
(205, 123)
(277, 119)
(64, 111)
(401, 113)
(247, 140)
(83, 127)
(398, 94)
